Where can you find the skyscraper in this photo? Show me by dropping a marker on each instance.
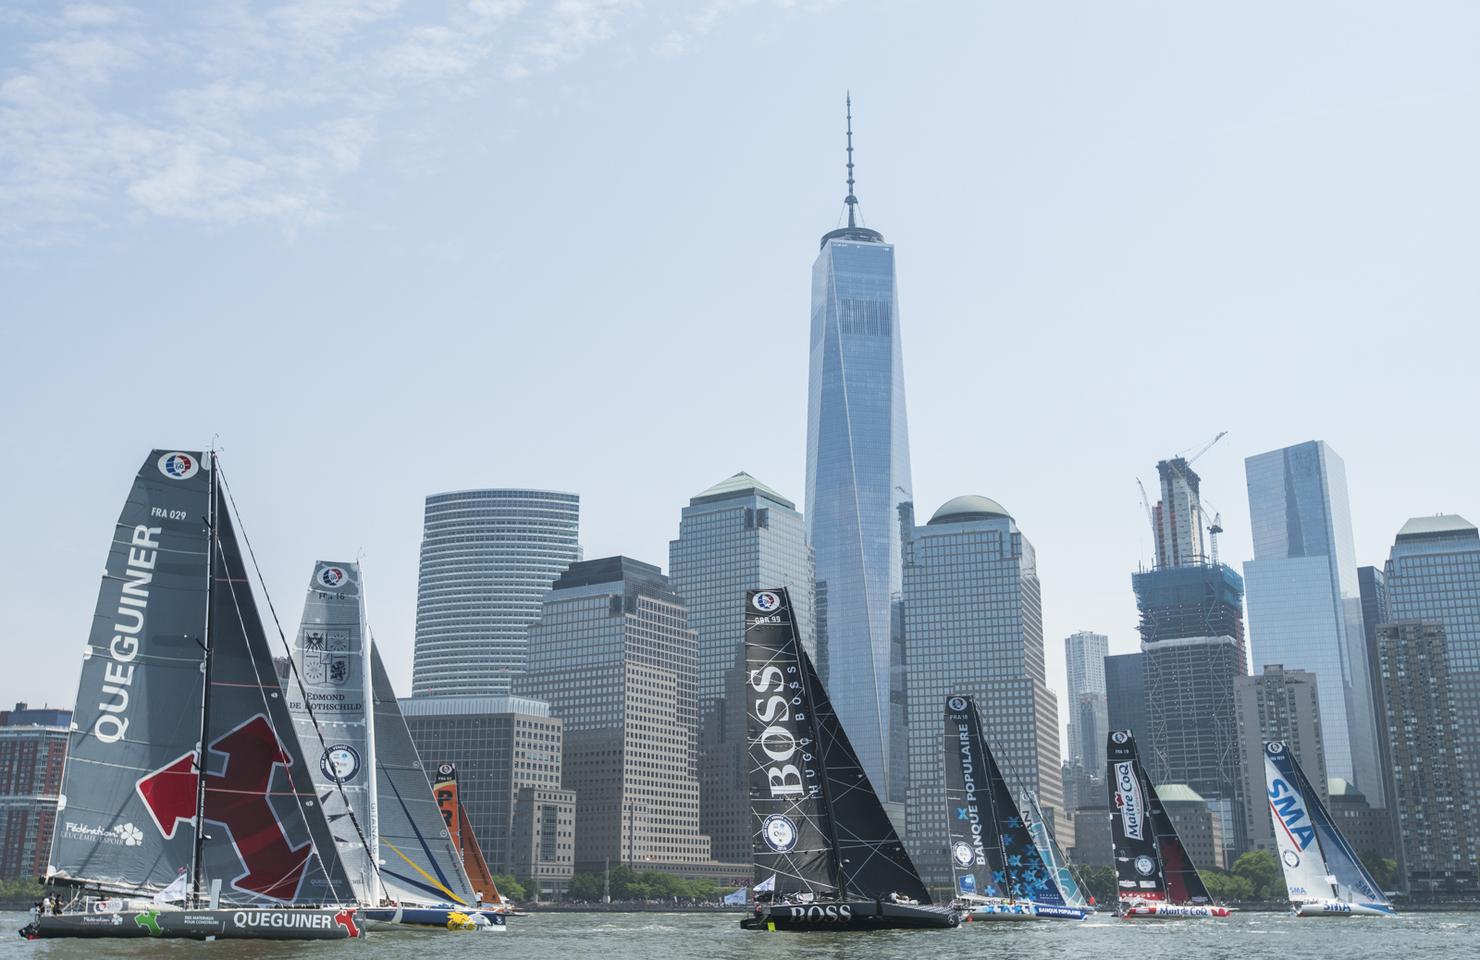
(1192, 651)
(1433, 573)
(1305, 605)
(1276, 704)
(613, 655)
(736, 536)
(487, 557)
(1431, 768)
(33, 748)
(1089, 721)
(858, 473)
(973, 625)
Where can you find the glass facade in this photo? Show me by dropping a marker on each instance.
(973, 625)
(487, 557)
(1125, 693)
(736, 536)
(1305, 604)
(1433, 574)
(858, 473)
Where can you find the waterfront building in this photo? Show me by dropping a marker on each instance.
(973, 625)
(33, 749)
(614, 656)
(503, 746)
(1276, 704)
(487, 557)
(1305, 605)
(1089, 719)
(1199, 824)
(858, 474)
(1093, 845)
(736, 536)
(1368, 829)
(1433, 573)
(1435, 810)
(1125, 693)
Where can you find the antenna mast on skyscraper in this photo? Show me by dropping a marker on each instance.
(850, 199)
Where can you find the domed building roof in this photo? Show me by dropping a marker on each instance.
(970, 507)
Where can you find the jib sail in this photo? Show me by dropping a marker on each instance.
(139, 696)
(818, 825)
(419, 863)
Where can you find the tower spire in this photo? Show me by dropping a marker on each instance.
(850, 199)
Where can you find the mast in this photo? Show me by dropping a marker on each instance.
(372, 794)
(205, 700)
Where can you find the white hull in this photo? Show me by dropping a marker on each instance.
(1340, 908)
(1172, 911)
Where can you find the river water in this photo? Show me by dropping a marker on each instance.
(717, 936)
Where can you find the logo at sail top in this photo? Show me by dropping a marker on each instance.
(1128, 799)
(1120, 736)
(340, 762)
(766, 602)
(957, 704)
(178, 466)
(332, 577)
(1274, 748)
(779, 833)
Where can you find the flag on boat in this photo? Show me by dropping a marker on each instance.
(767, 885)
(739, 896)
(177, 891)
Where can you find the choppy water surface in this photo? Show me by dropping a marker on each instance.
(675, 936)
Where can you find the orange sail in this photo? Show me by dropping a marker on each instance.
(461, 832)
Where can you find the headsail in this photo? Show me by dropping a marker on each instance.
(455, 816)
(267, 839)
(1318, 861)
(818, 825)
(1048, 849)
(139, 697)
(419, 863)
(329, 653)
(992, 852)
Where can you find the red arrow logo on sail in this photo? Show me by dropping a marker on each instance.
(237, 799)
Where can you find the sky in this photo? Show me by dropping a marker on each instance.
(377, 250)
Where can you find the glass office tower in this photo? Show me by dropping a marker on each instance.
(1305, 603)
(858, 473)
(487, 558)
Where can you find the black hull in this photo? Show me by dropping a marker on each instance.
(850, 915)
(271, 923)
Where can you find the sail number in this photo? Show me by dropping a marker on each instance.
(167, 514)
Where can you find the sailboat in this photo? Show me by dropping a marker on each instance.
(1048, 848)
(826, 854)
(1323, 875)
(997, 863)
(455, 816)
(178, 658)
(1155, 877)
(402, 862)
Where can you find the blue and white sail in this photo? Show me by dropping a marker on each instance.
(1048, 849)
(1323, 875)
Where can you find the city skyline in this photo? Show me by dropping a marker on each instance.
(349, 331)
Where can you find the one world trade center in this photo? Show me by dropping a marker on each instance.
(858, 473)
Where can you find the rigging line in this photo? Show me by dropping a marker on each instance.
(297, 676)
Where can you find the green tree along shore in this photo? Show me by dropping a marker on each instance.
(628, 884)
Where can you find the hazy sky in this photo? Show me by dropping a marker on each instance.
(386, 249)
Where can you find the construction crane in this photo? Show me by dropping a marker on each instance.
(1206, 447)
(1215, 528)
(1151, 521)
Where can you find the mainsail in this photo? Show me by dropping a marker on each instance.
(1318, 862)
(992, 851)
(139, 697)
(333, 672)
(1151, 862)
(455, 816)
(419, 863)
(818, 825)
